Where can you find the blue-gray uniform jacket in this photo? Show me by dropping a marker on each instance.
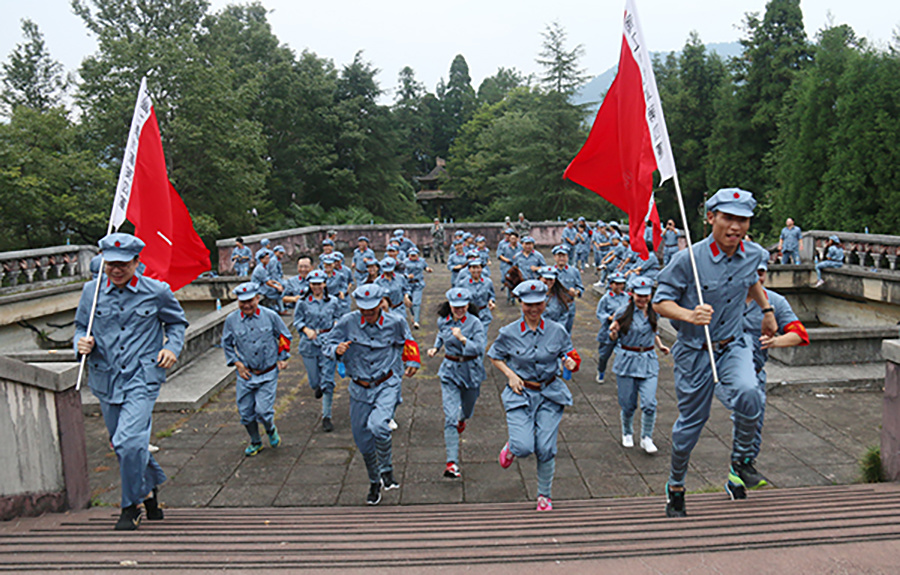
(534, 355)
(482, 292)
(406, 244)
(396, 287)
(416, 269)
(556, 310)
(456, 259)
(670, 238)
(640, 364)
(260, 276)
(242, 255)
(318, 315)
(649, 267)
(375, 351)
(725, 282)
(275, 269)
(468, 373)
(131, 326)
(294, 285)
(508, 251)
(835, 254)
(608, 305)
(600, 237)
(791, 238)
(337, 283)
(753, 317)
(258, 340)
(569, 239)
(569, 277)
(524, 264)
(619, 251)
(358, 261)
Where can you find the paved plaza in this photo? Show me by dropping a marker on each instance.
(811, 438)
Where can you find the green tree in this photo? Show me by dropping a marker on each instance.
(215, 151)
(413, 122)
(775, 50)
(458, 102)
(31, 77)
(494, 88)
(688, 85)
(562, 71)
(50, 189)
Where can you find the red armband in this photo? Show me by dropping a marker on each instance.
(577, 358)
(411, 351)
(799, 329)
(284, 344)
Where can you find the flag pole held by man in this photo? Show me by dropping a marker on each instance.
(129, 327)
(627, 142)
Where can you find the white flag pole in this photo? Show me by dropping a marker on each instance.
(120, 202)
(659, 135)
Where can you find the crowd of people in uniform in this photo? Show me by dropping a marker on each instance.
(373, 345)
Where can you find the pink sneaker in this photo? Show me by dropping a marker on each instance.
(544, 503)
(506, 456)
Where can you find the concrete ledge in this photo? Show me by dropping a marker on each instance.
(890, 350)
(190, 389)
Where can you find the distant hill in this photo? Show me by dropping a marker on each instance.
(592, 92)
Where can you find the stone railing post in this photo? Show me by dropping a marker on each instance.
(890, 416)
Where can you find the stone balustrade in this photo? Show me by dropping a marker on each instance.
(890, 417)
(871, 251)
(44, 267)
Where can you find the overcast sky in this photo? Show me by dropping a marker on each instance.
(426, 35)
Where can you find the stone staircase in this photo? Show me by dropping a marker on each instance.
(430, 536)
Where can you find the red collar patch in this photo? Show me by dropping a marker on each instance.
(714, 248)
(134, 278)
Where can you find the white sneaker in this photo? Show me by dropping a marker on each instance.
(152, 448)
(648, 445)
(628, 441)
(819, 283)
(392, 424)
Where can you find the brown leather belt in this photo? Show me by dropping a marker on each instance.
(638, 349)
(479, 308)
(262, 371)
(321, 331)
(460, 358)
(718, 345)
(376, 383)
(396, 306)
(535, 385)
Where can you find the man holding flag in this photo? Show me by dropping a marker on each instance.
(627, 143)
(128, 359)
(133, 312)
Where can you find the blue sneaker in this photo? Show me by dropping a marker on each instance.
(274, 438)
(253, 449)
(599, 378)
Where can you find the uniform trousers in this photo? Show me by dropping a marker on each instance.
(630, 390)
(128, 424)
(417, 288)
(241, 269)
(791, 256)
(459, 403)
(370, 411)
(668, 253)
(533, 426)
(320, 373)
(826, 264)
(256, 400)
(694, 388)
(604, 351)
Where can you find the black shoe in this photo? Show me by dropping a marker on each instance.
(319, 392)
(374, 496)
(388, 481)
(327, 425)
(675, 503)
(130, 519)
(151, 506)
(744, 473)
(735, 491)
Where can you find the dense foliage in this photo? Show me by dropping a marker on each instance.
(258, 137)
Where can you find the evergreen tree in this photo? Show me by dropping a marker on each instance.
(31, 77)
(562, 72)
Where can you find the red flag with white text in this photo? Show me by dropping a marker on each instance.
(174, 252)
(628, 140)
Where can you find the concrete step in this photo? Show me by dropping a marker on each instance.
(190, 387)
(445, 535)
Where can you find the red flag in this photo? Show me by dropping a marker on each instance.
(628, 140)
(174, 253)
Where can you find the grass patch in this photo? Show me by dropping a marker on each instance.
(164, 433)
(870, 467)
